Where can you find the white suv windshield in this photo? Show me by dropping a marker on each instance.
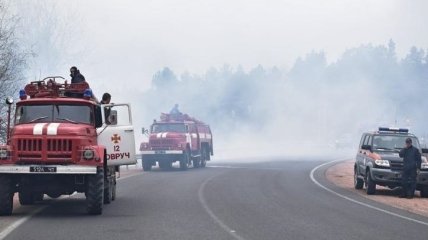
(392, 142)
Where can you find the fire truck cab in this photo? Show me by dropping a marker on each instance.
(177, 137)
(63, 141)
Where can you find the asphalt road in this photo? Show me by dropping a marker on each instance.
(270, 200)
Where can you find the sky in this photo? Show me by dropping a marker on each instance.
(121, 44)
(132, 39)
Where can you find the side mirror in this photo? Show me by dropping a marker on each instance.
(112, 118)
(424, 150)
(9, 100)
(366, 147)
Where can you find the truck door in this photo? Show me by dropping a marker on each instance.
(194, 137)
(117, 134)
(359, 157)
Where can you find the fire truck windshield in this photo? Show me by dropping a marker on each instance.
(170, 127)
(54, 113)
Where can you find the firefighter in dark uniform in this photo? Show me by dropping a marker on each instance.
(76, 76)
(107, 110)
(411, 166)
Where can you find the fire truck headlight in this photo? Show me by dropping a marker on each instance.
(88, 154)
(3, 154)
(382, 163)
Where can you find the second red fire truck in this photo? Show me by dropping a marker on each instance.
(177, 137)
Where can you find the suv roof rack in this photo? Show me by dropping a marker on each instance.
(393, 129)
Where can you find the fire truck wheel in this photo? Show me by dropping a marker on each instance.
(108, 192)
(184, 161)
(147, 166)
(6, 196)
(95, 193)
(204, 157)
(26, 198)
(113, 194)
(196, 163)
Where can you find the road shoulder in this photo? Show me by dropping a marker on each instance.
(341, 174)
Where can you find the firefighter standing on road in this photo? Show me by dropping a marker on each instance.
(412, 165)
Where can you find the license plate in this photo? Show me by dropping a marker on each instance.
(160, 152)
(43, 169)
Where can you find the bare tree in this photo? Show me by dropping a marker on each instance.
(12, 62)
(52, 30)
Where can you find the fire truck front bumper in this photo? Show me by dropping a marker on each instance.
(47, 169)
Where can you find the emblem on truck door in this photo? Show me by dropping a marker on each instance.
(115, 139)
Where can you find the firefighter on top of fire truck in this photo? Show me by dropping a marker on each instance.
(174, 110)
(76, 76)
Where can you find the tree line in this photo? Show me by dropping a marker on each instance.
(366, 87)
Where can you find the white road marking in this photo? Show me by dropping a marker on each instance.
(38, 128)
(19, 222)
(53, 129)
(356, 201)
(251, 168)
(211, 213)
(9, 229)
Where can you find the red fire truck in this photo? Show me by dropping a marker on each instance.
(63, 141)
(177, 137)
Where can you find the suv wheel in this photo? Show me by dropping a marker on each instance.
(370, 185)
(358, 183)
(424, 192)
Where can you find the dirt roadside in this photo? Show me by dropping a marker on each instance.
(342, 175)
